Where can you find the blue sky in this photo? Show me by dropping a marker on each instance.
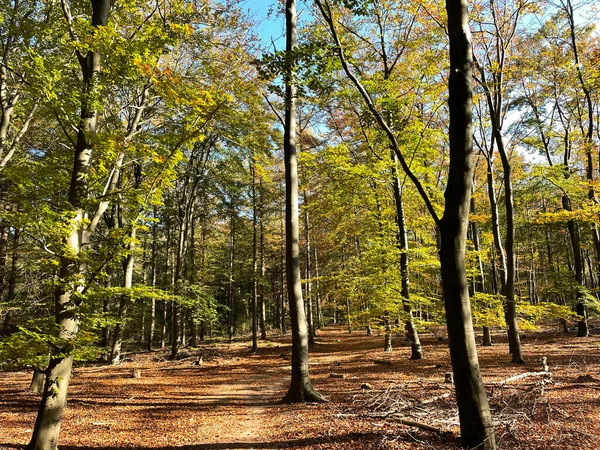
(271, 23)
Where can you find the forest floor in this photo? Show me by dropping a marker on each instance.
(231, 400)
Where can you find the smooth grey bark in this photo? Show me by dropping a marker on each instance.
(153, 257)
(402, 239)
(301, 389)
(254, 260)
(128, 262)
(495, 105)
(231, 284)
(309, 304)
(37, 382)
(261, 284)
(47, 425)
(477, 429)
(480, 280)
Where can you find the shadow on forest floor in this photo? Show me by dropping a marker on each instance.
(292, 443)
(231, 400)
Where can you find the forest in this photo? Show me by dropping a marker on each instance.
(377, 226)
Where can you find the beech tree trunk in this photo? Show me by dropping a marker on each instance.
(115, 355)
(152, 323)
(402, 238)
(301, 389)
(477, 429)
(514, 340)
(387, 342)
(480, 282)
(309, 303)
(282, 287)
(231, 287)
(47, 425)
(37, 382)
(261, 282)
(582, 325)
(254, 261)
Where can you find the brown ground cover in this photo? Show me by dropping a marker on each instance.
(230, 401)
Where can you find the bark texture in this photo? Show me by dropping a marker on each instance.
(477, 430)
(301, 389)
(47, 425)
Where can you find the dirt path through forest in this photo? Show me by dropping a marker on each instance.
(262, 391)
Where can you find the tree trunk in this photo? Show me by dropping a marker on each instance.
(128, 262)
(283, 289)
(480, 283)
(319, 323)
(402, 241)
(309, 303)
(261, 281)
(582, 325)
(152, 323)
(301, 389)
(477, 429)
(37, 382)
(573, 227)
(387, 342)
(507, 288)
(47, 425)
(254, 260)
(230, 290)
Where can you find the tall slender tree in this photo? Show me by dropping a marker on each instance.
(301, 389)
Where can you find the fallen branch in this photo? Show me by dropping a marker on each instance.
(337, 375)
(434, 399)
(423, 426)
(525, 375)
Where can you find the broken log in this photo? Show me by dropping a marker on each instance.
(423, 426)
(337, 375)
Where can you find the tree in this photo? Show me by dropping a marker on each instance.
(475, 417)
(493, 79)
(477, 429)
(47, 425)
(301, 389)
